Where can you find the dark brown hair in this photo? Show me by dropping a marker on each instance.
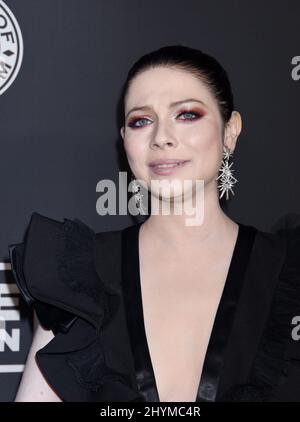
(200, 64)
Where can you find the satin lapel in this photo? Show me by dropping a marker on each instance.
(115, 336)
(260, 281)
(108, 258)
(225, 316)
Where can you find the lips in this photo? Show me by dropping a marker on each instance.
(167, 163)
(168, 166)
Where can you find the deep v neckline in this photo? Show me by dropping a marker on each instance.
(224, 317)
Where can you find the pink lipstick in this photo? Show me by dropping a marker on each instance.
(167, 166)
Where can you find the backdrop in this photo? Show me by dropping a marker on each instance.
(62, 71)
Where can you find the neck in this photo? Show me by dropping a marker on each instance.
(174, 230)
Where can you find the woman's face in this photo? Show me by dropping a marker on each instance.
(166, 124)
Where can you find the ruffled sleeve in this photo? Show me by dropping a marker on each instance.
(56, 274)
(275, 374)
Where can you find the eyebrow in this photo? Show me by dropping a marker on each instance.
(147, 107)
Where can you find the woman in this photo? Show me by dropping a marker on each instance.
(164, 310)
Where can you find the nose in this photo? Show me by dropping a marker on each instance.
(163, 137)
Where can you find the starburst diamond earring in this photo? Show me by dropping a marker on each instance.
(138, 196)
(226, 177)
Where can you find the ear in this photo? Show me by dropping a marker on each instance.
(232, 130)
(122, 132)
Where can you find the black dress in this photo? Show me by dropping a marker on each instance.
(85, 287)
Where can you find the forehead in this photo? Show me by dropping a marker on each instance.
(163, 85)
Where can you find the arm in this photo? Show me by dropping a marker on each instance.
(33, 386)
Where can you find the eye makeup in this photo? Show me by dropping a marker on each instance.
(197, 113)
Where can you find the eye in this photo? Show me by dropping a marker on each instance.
(138, 122)
(134, 123)
(192, 115)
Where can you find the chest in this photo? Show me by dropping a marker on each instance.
(180, 301)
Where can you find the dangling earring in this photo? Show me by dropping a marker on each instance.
(138, 196)
(227, 179)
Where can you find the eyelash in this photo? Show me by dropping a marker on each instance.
(134, 121)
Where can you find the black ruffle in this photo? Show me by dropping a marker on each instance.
(277, 350)
(76, 266)
(74, 256)
(55, 271)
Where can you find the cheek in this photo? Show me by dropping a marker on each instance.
(135, 152)
(206, 149)
(131, 148)
(204, 140)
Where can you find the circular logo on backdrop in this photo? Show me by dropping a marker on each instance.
(11, 47)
